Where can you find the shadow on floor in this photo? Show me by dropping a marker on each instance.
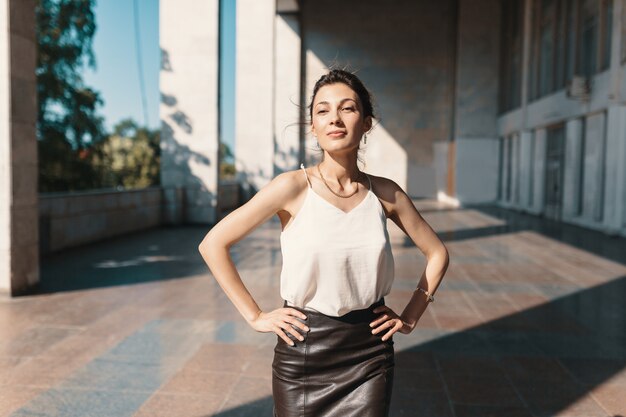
(538, 362)
(598, 243)
(152, 255)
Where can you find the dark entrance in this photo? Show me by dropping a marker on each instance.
(555, 161)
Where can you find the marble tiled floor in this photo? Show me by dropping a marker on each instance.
(530, 320)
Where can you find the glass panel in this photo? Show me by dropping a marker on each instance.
(545, 61)
(589, 37)
(570, 30)
(511, 54)
(546, 47)
(555, 153)
(607, 15)
(560, 40)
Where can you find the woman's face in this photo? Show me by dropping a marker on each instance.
(337, 118)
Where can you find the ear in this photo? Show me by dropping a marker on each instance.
(367, 123)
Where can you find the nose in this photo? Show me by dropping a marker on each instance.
(336, 116)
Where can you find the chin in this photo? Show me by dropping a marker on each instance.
(337, 147)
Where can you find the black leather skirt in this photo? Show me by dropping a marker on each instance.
(340, 369)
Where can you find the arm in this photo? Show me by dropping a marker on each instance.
(215, 250)
(402, 212)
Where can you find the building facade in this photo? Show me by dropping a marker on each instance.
(519, 103)
(561, 114)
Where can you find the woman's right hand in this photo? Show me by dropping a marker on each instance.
(279, 321)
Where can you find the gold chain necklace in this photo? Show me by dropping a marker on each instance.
(331, 190)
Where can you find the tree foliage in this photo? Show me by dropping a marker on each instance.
(75, 152)
(227, 165)
(129, 157)
(68, 120)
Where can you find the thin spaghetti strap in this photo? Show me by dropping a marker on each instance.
(307, 175)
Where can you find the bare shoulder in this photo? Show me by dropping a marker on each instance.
(273, 198)
(390, 194)
(286, 188)
(289, 182)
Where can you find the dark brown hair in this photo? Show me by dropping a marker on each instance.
(335, 76)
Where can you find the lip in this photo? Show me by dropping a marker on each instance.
(337, 133)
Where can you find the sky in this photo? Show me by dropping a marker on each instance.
(116, 76)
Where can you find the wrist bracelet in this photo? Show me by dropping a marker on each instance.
(431, 299)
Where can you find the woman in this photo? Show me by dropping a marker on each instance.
(334, 354)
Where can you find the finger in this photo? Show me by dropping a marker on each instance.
(283, 336)
(390, 333)
(382, 327)
(297, 323)
(294, 312)
(291, 329)
(379, 320)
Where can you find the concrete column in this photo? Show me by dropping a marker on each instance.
(505, 143)
(539, 176)
(19, 253)
(254, 96)
(526, 166)
(594, 167)
(476, 170)
(615, 170)
(515, 170)
(476, 105)
(287, 92)
(573, 168)
(189, 109)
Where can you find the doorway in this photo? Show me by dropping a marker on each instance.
(555, 162)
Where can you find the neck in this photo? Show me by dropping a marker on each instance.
(340, 169)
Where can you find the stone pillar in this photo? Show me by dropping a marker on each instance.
(254, 96)
(505, 161)
(614, 215)
(615, 170)
(19, 253)
(287, 93)
(477, 170)
(189, 38)
(594, 167)
(525, 166)
(476, 140)
(573, 168)
(515, 170)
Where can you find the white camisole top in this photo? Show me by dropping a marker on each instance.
(336, 261)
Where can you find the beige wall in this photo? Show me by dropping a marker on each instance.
(254, 94)
(403, 53)
(189, 100)
(68, 220)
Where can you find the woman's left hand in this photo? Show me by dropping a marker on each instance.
(389, 321)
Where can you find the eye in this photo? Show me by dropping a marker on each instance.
(349, 108)
(321, 111)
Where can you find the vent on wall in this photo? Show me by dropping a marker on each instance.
(579, 88)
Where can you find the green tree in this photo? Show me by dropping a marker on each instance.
(227, 166)
(68, 122)
(129, 157)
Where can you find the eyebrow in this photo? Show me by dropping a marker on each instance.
(345, 99)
